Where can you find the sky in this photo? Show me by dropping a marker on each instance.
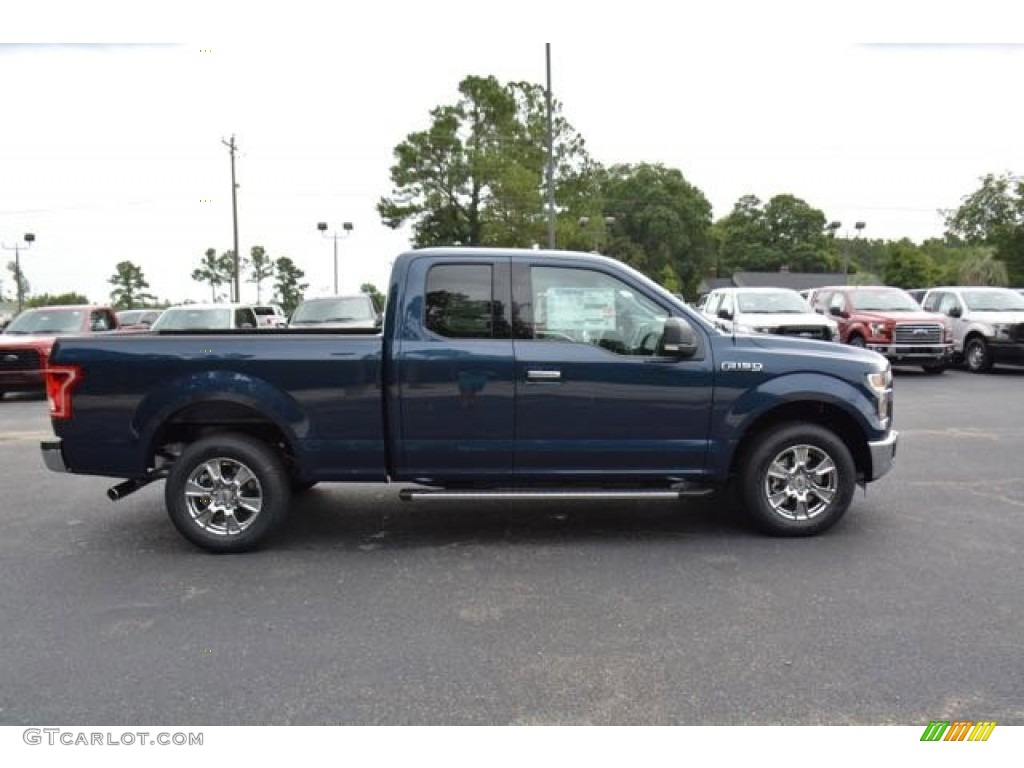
(112, 134)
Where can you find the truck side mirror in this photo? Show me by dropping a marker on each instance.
(725, 314)
(955, 312)
(679, 339)
(836, 312)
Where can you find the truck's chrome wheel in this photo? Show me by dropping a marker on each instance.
(977, 356)
(223, 496)
(227, 492)
(796, 479)
(801, 482)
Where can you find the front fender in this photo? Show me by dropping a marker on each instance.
(734, 418)
(203, 386)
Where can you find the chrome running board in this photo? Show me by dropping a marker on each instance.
(523, 494)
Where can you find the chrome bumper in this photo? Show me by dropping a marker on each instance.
(883, 454)
(53, 455)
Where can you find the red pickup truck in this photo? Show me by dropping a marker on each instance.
(887, 320)
(26, 343)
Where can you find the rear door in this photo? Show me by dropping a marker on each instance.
(455, 371)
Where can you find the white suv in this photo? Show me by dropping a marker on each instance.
(988, 323)
(270, 316)
(779, 311)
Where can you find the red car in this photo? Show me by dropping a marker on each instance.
(25, 344)
(888, 321)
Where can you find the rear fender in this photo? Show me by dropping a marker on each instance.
(207, 386)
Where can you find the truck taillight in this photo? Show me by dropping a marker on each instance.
(60, 380)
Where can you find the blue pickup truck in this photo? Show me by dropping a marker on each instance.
(499, 373)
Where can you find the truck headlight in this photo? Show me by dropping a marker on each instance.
(880, 384)
(878, 329)
(1001, 331)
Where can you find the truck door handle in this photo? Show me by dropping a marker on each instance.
(543, 375)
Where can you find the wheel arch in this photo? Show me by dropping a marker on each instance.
(823, 414)
(188, 408)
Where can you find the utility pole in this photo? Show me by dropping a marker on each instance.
(234, 214)
(551, 157)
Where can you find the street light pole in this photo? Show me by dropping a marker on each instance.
(833, 227)
(18, 279)
(550, 171)
(346, 231)
(858, 228)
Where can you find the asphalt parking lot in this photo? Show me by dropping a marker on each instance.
(371, 611)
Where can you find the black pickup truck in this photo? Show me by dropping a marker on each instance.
(499, 373)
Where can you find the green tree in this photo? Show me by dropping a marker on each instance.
(52, 300)
(261, 267)
(657, 222)
(784, 232)
(982, 269)
(950, 255)
(21, 285)
(371, 290)
(476, 174)
(907, 266)
(993, 215)
(129, 286)
(287, 284)
(215, 270)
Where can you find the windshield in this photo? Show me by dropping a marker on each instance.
(884, 301)
(47, 321)
(993, 301)
(334, 310)
(186, 319)
(770, 303)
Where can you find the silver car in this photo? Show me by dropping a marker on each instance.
(988, 323)
(206, 317)
(356, 312)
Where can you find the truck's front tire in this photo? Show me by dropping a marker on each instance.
(796, 480)
(227, 493)
(977, 355)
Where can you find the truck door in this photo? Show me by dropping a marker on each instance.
(593, 394)
(455, 371)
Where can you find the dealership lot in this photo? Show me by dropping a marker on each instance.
(369, 610)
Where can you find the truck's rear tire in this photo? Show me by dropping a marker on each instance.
(796, 480)
(227, 493)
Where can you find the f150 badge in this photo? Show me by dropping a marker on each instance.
(743, 367)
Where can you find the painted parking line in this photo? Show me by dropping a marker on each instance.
(14, 436)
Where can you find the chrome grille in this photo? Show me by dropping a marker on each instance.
(19, 360)
(804, 331)
(917, 333)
